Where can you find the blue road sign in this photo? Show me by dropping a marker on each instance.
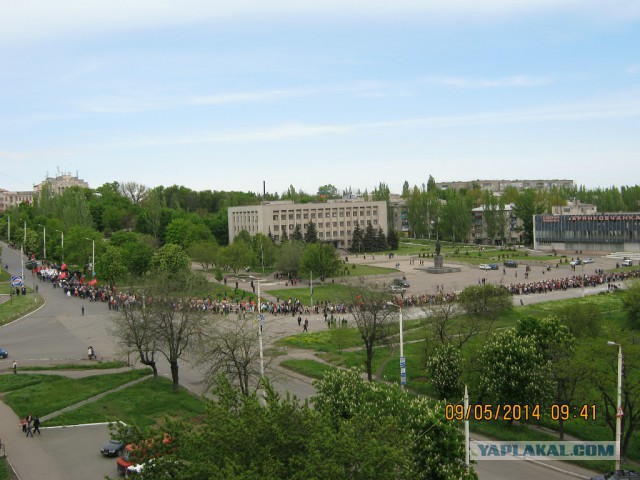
(16, 281)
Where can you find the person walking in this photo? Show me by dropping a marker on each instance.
(15, 367)
(305, 327)
(36, 425)
(29, 421)
(299, 320)
(83, 310)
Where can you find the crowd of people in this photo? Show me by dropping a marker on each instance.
(612, 280)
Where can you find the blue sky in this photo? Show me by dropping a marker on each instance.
(223, 95)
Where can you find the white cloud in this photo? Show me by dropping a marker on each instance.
(41, 19)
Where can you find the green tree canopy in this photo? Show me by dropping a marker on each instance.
(320, 258)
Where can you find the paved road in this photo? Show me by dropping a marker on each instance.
(58, 333)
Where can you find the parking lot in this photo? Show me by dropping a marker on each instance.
(76, 451)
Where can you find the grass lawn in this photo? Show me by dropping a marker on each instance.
(143, 404)
(77, 366)
(44, 394)
(358, 270)
(309, 368)
(19, 306)
(329, 292)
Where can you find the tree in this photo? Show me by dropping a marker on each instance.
(135, 331)
(111, 264)
(445, 368)
(486, 300)
(375, 320)
(631, 304)
(171, 260)
(264, 251)
(604, 379)
(457, 216)
(387, 434)
(513, 371)
(204, 253)
(392, 239)
(176, 321)
(297, 233)
(440, 320)
(356, 243)
(320, 258)
(237, 255)
(582, 320)
(432, 448)
(328, 191)
(229, 346)
(369, 240)
(289, 257)
(557, 345)
(136, 192)
(529, 203)
(381, 240)
(311, 233)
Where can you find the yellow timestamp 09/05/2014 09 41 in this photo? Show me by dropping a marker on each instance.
(517, 412)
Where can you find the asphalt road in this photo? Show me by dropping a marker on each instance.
(58, 332)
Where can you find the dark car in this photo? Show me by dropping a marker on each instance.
(493, 266)
(31, 264)
(400, 282)
(3, 353)
(510, 263)
(618, 475)
(112, 448)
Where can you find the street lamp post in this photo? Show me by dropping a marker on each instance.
(93, 257)
(403, 363)
(61, 244)
(44, 241)
(582, 265)
(619, 411)
(311, 287)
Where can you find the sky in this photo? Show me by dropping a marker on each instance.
(218, 95)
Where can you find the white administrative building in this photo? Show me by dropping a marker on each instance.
(335, 220)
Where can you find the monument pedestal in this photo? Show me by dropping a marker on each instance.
(438, 266)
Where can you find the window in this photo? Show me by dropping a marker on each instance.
(319, 214)
(306, 215)
(276, 228)
(375, 221)
(291, 226)
(349, 223)
(283, 217)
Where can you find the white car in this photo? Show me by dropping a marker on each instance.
(627, 262)
(484, 266)
(587, 260)
(575, 262)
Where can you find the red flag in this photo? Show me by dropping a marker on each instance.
(82, 280)
(93, 281)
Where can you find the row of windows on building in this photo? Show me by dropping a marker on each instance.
(291, 227)
(333, 213)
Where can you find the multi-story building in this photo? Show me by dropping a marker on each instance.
(575, 207)
(601, 232)
(508, 227)
(60, 183)
(399, 214)
(335, 220)
(498, 186)
(13, 199)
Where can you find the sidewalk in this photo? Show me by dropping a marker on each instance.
(29, 456)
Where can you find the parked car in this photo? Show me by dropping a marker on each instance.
(575, 262)
(30, 264)
(400, 282)
(494, 266)
(112, 448)
(627, 262)
(618, 475)
(3, 353)
(511, 263)
(396, 289)
(587, 260)
(484, 266)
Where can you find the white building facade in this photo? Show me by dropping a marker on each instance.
(335, 220)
